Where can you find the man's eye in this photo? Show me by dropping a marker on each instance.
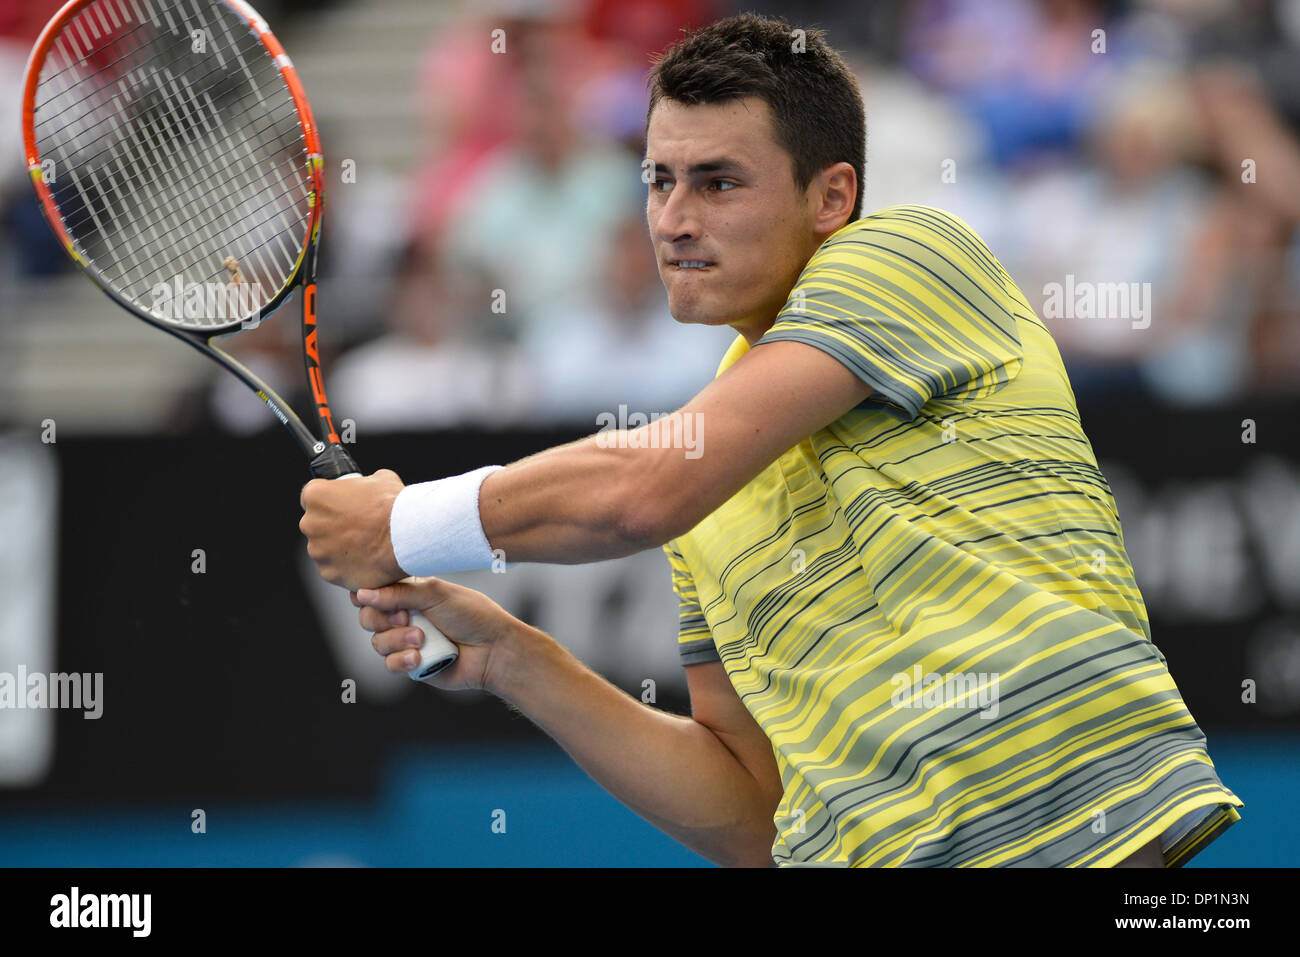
(723, 182)
(658, 185)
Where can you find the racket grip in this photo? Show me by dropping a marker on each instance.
(438, 651)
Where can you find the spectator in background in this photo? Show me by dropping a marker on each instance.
(535, 132)
(922, 149)
(1253, 239)
(540, 213)
(1025, 71)
(638, 28)
(469, 98)
(476, 89)
(614, 103)
(1125, 167)
(618, 344)
(442, 364)
(1243, 61)
(1133, 211)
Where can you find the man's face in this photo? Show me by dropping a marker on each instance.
(724, 194)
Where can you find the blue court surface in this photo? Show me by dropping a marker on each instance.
(532, 808)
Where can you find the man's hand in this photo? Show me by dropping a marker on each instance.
(346, 524)
(477, 624)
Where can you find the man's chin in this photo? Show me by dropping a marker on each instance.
(696, 316)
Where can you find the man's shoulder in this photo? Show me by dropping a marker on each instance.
(910, 237)
(911, 240)
(915, 222)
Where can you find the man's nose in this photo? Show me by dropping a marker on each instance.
(678, 217)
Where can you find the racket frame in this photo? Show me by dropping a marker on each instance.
(327, 457)
(324, 451)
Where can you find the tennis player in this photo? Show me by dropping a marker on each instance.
(910, 630)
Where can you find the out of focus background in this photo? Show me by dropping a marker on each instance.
(488, 289)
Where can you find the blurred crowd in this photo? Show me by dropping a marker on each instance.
(527, 289)
(1141, 143)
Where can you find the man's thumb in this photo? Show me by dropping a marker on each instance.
(415, 593)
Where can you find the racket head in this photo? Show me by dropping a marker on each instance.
(175, 156)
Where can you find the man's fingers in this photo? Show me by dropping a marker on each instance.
(422, 594)
(403, 661)
(372, 619)
(387, 598)
(396, 641)
(302, 496)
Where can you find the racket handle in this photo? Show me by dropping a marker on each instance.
(438, 651)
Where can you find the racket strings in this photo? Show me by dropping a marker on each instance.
(132, 47)
(178, 186)
(108, 117)
(169, 107)
(200, 200)
(174, 157)
(196, 200)
(284, 257)
(201, 207)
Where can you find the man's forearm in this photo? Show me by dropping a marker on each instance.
(672, 771)
(606, 496)
(581, 502)
(587, 501)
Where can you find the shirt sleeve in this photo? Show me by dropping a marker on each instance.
(694, 640)
(912, 301)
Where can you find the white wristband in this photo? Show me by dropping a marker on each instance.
(435, 526)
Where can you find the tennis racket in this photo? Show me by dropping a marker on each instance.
(175, 157)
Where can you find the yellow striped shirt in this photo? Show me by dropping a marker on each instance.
(927, 605)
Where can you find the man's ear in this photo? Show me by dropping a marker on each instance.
(835, 192)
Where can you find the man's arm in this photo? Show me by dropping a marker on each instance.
(583, 502)
(597, 498)
(710, 781)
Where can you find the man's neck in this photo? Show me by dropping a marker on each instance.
(755, 329)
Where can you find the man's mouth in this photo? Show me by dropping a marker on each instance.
(690, 263)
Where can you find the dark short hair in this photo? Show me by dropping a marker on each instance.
(813, 96)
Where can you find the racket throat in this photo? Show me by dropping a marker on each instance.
(333, 463)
